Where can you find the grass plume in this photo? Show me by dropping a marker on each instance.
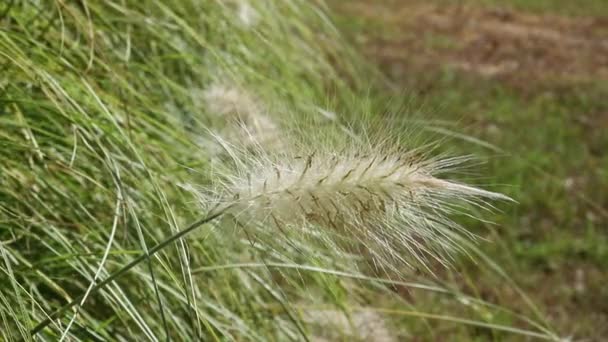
(384, 199)
(243, 117)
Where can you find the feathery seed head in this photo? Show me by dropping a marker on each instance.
(228, 100)
(390, 203)
(243, 12)
(245, 120)
(247, 15)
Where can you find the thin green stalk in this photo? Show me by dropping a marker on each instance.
(57, 313)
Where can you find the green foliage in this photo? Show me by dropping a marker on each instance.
(102, 114)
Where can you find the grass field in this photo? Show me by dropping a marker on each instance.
(114, 127)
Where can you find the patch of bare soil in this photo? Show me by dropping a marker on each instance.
(519, 48)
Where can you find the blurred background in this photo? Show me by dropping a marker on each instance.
(529, 79)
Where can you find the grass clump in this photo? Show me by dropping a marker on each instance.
(106, 111)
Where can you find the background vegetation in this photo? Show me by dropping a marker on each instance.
(530, 79)
(107, 117)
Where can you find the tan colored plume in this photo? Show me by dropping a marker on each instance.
(245, 120)
(389, 204)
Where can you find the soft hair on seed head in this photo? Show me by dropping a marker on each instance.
(388, 203)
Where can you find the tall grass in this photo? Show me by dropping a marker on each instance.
(107, 124)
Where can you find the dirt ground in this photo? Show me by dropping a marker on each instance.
(519, 48)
